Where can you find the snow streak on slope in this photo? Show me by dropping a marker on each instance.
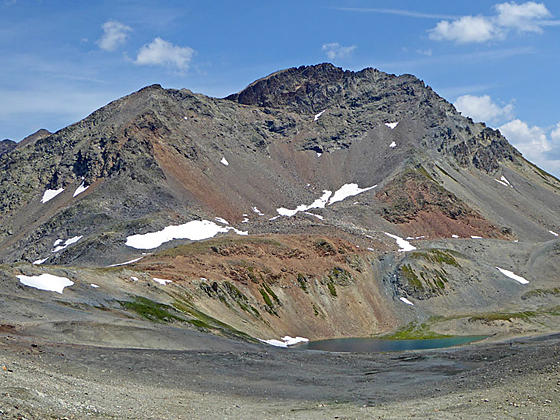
(513, 276)
(328, 198)
(80, 190)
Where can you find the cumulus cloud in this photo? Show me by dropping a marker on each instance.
(466, 29)
(482, 108)
(115, 34)
(525, 17)
(334, 50)
(535, 144)
(161, 52)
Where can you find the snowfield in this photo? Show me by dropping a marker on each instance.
(196, 230)
(46, 282)
(286, 341)
(392, 125)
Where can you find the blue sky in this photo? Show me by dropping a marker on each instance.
(497, 61)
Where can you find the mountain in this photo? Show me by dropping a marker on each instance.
(277, 208)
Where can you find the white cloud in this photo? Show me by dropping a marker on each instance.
(555, 133)
(466, 29)
(161, 52)
(334, 50)
(482, 108)
(115, 34)
(524, 17)
(534, 143)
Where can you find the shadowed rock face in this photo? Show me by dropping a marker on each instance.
(156, 158)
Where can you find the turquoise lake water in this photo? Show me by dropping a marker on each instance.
(371, 345)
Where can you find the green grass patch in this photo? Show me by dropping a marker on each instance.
(503, 316)
(413, 331)
(541, 293)
(411, 277)
(332, 289)
(271, 293)
(438, 256)
(153, 311)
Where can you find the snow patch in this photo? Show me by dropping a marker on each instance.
(222, 221)
(320, 203)
(256, 210)
(393, 145)
(50, 194)
(348, 190)
(319, 154)
(245, 220)
(286, 341)
(392, 125)
(403, 244)
(224, 161)
(126, 262)
(80, 189)
(46, 282)
(196, 230)
(318, 216)
(513, 276)
(317, 116)
(134, 278)
(39, 262)
(455, 236)
(95, 286)
(66, 244)
(476, 237)
(163, 282)
(405, 300)
(552, 233)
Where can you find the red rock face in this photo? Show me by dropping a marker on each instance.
(420, 206)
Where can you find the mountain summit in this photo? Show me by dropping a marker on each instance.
(162, 157)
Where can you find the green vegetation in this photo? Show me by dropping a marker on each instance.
(424, 172)
(445, 173)
(266, 298)
(541, 293)
(503, 316)
(203, 321)
(438, 256)
(414, 331)
(411, 277)
(332, 289)
(271, 293)
(151, 310)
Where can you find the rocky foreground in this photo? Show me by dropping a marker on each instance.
(219, 378)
